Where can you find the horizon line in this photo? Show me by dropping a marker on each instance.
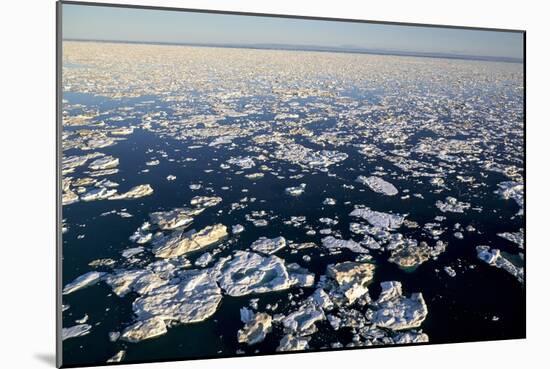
(315, 48)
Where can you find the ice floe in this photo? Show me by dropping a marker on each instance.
(268, 246)
(397, 312)
(179, 243)
(75, 331)
(105, 162)
(351, 280)
(452, 205)
(494, 257)
(175, 218)
(256, 327)
(83, 281)
(297, 190)
(331, 243)
(134, 193)
(245, 272)
(379, 185)
(145, 329)
(379, 219)
(195, 298)
(512, 190)
(408, 253)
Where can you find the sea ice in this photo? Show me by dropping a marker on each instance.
(292, 343)
(379, 185)
(257, 326)
(296, 191)
(205, 201)
(118, 357)
(268, 246)
(105, 162)
(145, 329)
(173, 219)
(331, 243)
(495, 258)
(351, 279)
(98, 194)
(134, 193)
(84, 280)
(237, 228)
(452, 205)
(512, 190)
(193, 299)
(247, 272)
(397, 312)
(379, 219)
(75, 331)
(140, 281)
(515, 237)
(179, 243)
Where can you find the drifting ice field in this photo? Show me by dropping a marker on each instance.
(222, 201)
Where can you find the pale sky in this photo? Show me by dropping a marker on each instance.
(145, 25)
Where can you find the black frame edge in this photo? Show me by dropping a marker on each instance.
(58, 184)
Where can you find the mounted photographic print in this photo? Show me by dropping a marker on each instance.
(235, 184)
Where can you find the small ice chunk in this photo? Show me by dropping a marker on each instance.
(450, 271)
(118, 357)
(296, 191)
(84, 280)
(237, 228)
(452, 205)
(75, 331)
(329, 201)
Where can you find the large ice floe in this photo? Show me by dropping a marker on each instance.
(101, 193)
(78, 330)
(332, 243)
(134, 193)
(516, 237)
(105, 162)
(494, 257)
(188, 297)
(394, 311)
(409, 253)
(379, 185)
(351, 280)
(176, 218)
(512, 190)
(83, 281)
(194, 298)
(141, 281)
(379, 219)
(244, 273)
(179, 242)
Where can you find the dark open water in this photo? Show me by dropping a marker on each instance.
(460, 308)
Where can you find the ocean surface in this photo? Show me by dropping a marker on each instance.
(481, 302)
